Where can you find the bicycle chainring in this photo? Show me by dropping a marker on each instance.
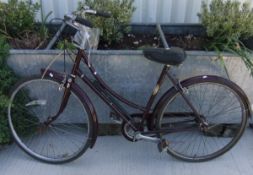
(127, 131)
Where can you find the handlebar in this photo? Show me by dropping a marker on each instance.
(100, 13)
(88, 10)
(104, 14)
(70, 20)
(83, 21)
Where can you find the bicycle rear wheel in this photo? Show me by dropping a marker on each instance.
(219, 103)
(65, 139)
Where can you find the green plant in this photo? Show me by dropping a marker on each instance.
(4, 49)
(7, 79)
(113, 28)
(17, 17)
(4, 130)
(43, 30)
(65, 44)
(226, 23)
(227, 19)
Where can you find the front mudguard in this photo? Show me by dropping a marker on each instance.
(84, 99)
(159, 106)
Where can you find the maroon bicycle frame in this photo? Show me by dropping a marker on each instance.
(146, 111)
(109, 96)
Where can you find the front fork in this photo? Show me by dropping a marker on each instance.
(67, 91)
(64, 101)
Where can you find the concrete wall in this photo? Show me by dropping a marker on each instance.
(131, 75)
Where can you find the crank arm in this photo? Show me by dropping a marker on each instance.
(140, 136)
(162, 144)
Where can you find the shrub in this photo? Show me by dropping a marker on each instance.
(226, 23)
(7, 79)
(65, 44)
(225, 19)
(5, 84)
(4, 50)
(17, 24)
(4, 130)
(113, 28)
(17, 17)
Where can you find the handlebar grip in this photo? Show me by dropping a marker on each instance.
(103, 14)
(83, 21)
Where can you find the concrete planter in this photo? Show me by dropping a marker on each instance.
(131, 75)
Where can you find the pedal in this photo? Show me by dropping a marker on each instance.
(163, 145)
(114, 117)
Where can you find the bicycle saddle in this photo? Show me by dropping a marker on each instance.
(173, 56)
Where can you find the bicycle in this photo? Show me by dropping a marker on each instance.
(197, 119)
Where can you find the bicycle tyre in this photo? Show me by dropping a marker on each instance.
(70, 132)
(219, 131)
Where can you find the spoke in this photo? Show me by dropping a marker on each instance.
(215, 102)
(70, 134)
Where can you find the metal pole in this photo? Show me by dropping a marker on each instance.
(54, 39)
(162, 36)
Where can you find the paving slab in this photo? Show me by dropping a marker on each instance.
(114, 155)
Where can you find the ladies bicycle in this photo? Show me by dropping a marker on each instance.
(197, 119)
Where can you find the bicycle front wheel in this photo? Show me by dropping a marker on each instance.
(218, 102)
(32, 102)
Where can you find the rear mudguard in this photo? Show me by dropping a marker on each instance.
(159, 106)
(85, 100)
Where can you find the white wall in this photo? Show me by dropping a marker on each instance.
(148, 11)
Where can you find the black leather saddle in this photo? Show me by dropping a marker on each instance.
(173, 56)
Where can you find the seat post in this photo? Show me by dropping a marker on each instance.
(155, 92)
(162, 36)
